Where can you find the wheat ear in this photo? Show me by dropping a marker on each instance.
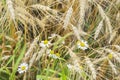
(98, 29)
(91, 67)
(11, 9)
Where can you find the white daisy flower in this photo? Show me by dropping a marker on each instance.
(70, 66)
(82, 45)
(23, 68)
(45, 43)
(52, 54)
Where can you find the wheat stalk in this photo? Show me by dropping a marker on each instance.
(32, 60)
(91, 67)
(40, 53)
(31, 48)
(76, 32)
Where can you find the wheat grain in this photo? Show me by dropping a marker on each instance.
(101, 11)
(98, 29)
(112, 37)
(91, 67)
(76, 32)
(40, 53)
(11, 9)
(32, 60)
(113, 67)
(115, 54)
(31, 48)
(82, 4)
(108, 24)
(106, 18)
(67, 17)
(100, 59)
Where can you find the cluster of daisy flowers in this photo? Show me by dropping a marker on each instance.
(51, 53)
(46, 44)
(81, 44)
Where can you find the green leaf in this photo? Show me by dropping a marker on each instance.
(12, 77)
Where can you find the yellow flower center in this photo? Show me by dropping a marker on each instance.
(82, 44)
(51, 52)
(23, 68)
(57, 54)
(46, 42)
(110, 56)
(81, 67)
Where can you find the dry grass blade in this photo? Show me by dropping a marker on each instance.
(9, 38)
(91, 67)
(117, 1)
(5, 58)
(98, 29)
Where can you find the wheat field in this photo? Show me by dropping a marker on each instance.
(59, 39)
